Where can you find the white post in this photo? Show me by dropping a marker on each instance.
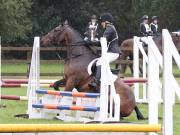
(33, 82)
(144, 77)
(153, 78)
(167, 87)
(136, 67)
(108, 96)
(104, 86)
(138, 47)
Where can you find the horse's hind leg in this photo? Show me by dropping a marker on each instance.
(131, 64)
(122, 66)
(70, 84)
(138, 113)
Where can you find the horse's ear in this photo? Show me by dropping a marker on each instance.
(66, 22)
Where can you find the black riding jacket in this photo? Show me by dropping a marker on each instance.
(88, 30)
(154, 29)
(144, 31)
(111, 35)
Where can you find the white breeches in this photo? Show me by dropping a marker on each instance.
(110, 58)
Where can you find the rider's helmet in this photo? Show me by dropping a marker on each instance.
(154, 18)
(145, 17)
(106, 17)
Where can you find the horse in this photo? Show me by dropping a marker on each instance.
(127, 54)
(79, 55)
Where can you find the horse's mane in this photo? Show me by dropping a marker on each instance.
(77, 33)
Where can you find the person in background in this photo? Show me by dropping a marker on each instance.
(154, 26)
(91, 33)
(144, 27)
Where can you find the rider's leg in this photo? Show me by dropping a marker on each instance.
(97, 75)
(110, 57)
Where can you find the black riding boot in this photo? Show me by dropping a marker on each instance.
(96, 78)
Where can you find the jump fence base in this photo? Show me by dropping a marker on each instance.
(77, 133)
(28, 128)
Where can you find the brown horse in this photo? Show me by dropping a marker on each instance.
(127, 54)
(76, 75)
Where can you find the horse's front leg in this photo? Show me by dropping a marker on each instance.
(66, 115)
(59, 83)
(70, 85)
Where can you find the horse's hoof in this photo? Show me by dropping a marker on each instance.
(26, 116)
(2, 106)
(55, 86)
(141, 118)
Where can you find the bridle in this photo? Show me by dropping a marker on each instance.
(75, 44)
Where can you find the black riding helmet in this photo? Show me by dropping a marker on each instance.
(154, 18)
(145, 17)
(106, 17)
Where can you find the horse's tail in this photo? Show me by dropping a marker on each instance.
(59, 83)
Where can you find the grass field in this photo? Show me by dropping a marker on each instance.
(22, 68)
(20, 107)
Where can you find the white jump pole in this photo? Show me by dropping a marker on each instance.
(144, 77)
(153, 79)
(33, 82)
(107, 87)
(137, 49)
(136, 67)
(167, 88)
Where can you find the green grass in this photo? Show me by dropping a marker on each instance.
(20, 107)
(22, 68)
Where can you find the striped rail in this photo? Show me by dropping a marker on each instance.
(65, 93)
(23, 85)
(66, 107)
(25, 81)
(14, 97)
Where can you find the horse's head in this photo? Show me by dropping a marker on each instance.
(55, 36)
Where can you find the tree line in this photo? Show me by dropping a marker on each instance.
(21, 20)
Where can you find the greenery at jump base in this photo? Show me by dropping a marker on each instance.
(20, 107)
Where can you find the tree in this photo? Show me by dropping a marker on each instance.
(15, 19)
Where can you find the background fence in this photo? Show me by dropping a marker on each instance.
(15, 55)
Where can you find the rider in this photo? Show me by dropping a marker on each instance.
(111, 35)
(154, 25)
(144, 27)
(91, 33)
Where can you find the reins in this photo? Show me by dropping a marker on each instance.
(75, 44)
